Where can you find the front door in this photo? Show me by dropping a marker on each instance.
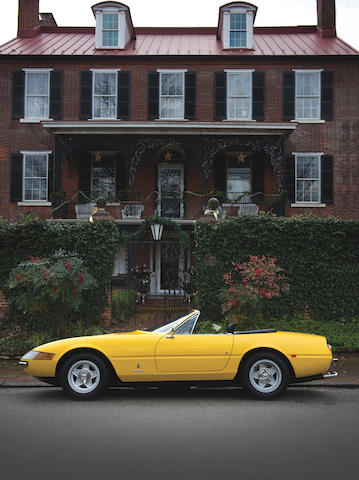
(170, 190)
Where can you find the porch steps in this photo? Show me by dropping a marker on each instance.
(157, 309)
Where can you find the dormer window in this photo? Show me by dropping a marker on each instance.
(238, 30)
(110, 29)
(235, 27)
(114, 27)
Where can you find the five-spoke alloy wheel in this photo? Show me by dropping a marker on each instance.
(265, 375)
(84, 375)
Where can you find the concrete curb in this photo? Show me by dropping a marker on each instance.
(301, 385)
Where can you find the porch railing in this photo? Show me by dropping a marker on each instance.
(177, 205)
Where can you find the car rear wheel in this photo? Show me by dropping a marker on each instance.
(265, 375)
(84, 375)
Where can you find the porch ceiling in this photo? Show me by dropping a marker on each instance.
(177, 128)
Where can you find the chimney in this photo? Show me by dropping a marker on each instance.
(28, 18)
(326, 18)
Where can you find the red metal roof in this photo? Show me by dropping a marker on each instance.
(268, 41)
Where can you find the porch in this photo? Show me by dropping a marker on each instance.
(168, 176)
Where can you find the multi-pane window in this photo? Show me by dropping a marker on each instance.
(104, 94)
(103, 175)
(238, 30)
(172, 86)
(238, 178)
(35, 176)
(239, 95)
(110, 29)
(307, 95)
(307, 174)
(37, 93)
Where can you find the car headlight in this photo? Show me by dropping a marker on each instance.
(35, 355)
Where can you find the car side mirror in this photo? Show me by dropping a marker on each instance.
(171, 334)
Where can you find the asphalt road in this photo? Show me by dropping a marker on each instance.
(211, 434)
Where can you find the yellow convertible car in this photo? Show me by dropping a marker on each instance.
(264, 362)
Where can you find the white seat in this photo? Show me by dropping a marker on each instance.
(83, 210)
(248, 209)
(132, 210)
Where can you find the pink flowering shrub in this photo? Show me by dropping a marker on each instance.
(250, 284)
(47, 290)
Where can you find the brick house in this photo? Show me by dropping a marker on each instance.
(158, 120)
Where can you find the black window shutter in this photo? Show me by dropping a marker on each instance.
(220, 95)
(85, 166)
(257, 167)
(153, 95)
(85, 95)
(123, 95)
(327, 83)
(190, 95)
(289, 177)
(258, 81)
(18, 94)
(50, 176)
(288, 95)
(220, 174)
(16, 161)
(56, 95)
(121, 178)
(327, 193)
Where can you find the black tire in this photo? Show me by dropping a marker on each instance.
(272, 375)
(91, 372)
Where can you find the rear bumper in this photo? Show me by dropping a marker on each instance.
(319, 376)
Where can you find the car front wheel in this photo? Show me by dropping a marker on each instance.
(265, 375)
(84, 375)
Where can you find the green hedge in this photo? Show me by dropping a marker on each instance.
(95, 243)
(320, 257)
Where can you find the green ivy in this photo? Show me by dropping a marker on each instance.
(96, 244)
(319, 256)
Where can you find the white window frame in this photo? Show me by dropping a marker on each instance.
(26, 95)
(24, 154)
(308, 72)
(94, 72)
(237, 30)
(306, 203)
(183, 96)
(240, 72)
(111, 12)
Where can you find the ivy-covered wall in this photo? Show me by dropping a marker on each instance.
(320, 257)
(95, 243)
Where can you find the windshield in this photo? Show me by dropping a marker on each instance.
(166, 327)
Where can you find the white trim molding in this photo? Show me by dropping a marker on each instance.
(158, 127)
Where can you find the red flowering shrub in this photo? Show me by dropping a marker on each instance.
(250, 284)
(49, 288)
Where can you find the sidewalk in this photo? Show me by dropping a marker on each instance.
(12, 375)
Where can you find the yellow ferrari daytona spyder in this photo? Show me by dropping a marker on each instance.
(264, 362)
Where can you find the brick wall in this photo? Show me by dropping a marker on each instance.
(4, 306)
(338, 137)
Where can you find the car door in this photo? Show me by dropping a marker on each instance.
(178, 352)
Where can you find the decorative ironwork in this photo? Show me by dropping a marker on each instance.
(269, 144)
(168, 273)
(204, 148)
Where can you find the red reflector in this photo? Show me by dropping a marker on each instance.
(293, 356)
